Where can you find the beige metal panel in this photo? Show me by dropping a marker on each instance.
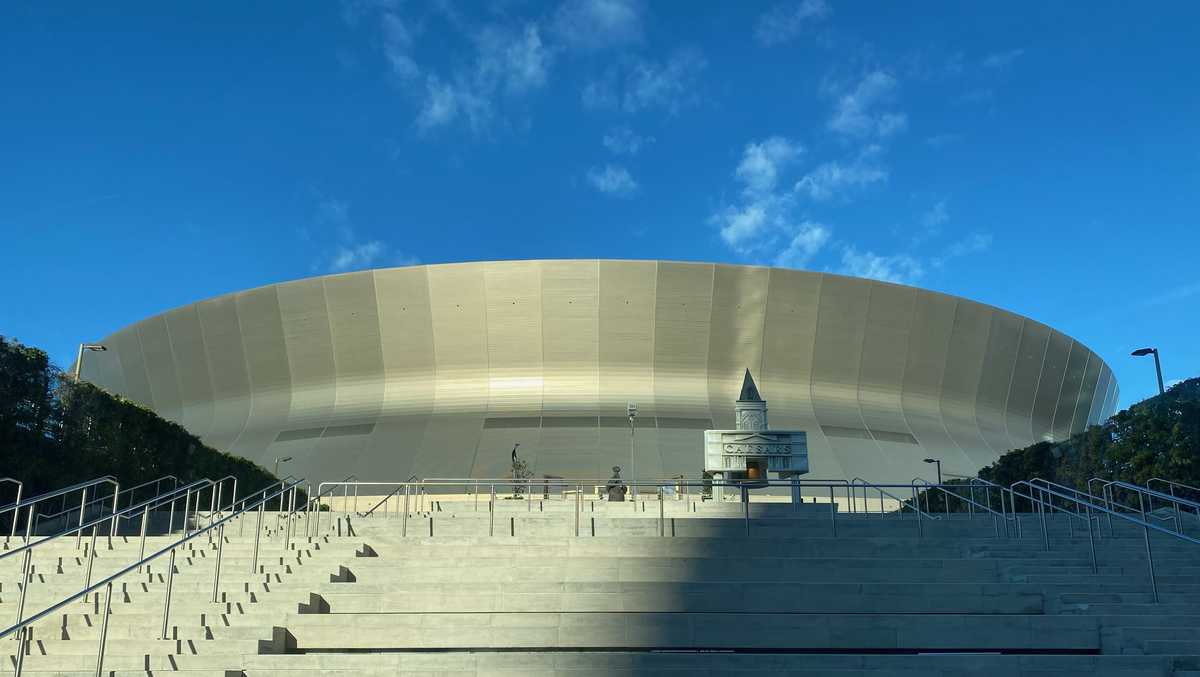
(1050, 383)
(1110, 400)
(406, 334)
(513, 290)
(392, 448)
(1068, 399)
(884, 355)
(837, 361)
(103, 369)
(226, 360)
(160, 367)
(739, 306)
(961, 380)
(1087, 393)
(493, 454)
(682, 310)
(267, 366)
(191, 368)
(1100, 396)
(571, 339)
(1035, 337)
(133, 366)
(1004, 338)
(306, 332)
(357, 353)
(929, 343)
(460, 343)
(626, 329)
(789, 338)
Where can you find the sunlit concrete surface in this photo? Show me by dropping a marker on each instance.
(438, 370)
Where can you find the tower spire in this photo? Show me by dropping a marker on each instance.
(749, 390)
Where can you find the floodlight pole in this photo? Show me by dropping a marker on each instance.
(94, 347)
(1157, 365)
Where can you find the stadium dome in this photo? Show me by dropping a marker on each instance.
(439, 370)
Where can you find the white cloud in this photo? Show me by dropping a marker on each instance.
(763, 223)
(973, 243)
(355, 256)
(899, 268)
(517, 61)
(598, 24)
(398, 39)
(808, 239)
(783, 23)
(1174, 294)
(856, 112)
(669, 85)
(623, 141)
(831, 178)
(1002, 59)
(937, 215)
(612, 180)
(761, 162)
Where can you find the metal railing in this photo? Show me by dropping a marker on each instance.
(1045, 492)
(33, 501)
(20, 487)
(1146, 495)
(950, 490)
(40, 517)
(490, 485)
(22, 626)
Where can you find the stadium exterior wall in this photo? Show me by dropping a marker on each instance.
(437, 370)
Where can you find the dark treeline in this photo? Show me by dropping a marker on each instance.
(1157, 437)
(55, 433)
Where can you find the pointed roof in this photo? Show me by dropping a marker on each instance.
(749, 390)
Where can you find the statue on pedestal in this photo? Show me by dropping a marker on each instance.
(615, 489)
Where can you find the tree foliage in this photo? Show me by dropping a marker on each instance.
(1157, 437)
(55, 432)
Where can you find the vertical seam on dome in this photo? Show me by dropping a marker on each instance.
(1012, 441)
(1062, 384)
(991, 315)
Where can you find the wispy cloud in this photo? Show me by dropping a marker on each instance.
(1002, 59)
(645, 84)
(832, 179)
(859, 110)
(936, 216)
(1173, 294)
(898, 268)
(612, 180)
(783, 23)
(343, 250)
(598, 24)
(763, 222)
(623, 141)
(942, 140)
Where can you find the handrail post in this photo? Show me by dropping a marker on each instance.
(167, 594)
(404, 518)
(112, 531)
(1150, 562)
(529, 494)
(217, 569)
(22, 647)
(832, 512)
(1042, 515)
(492, 511)
(187, 504)
(1091, 541)
(25, 580)
(12, 532)
(220, 487)
(82, 509)
(308, 511)
(145, 520)
(661, 511)
(578, 501)
(257, 536)
(91, 558)
(104, 629)
(171, 516)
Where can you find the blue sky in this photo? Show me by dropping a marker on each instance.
(1041, 157)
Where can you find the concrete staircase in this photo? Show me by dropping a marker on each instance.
(700, 590)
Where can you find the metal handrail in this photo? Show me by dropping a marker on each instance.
(22, 625)
(860, 482)
(1012, 506)
(117, 501)
(919, 481)
(34, 500)
(1090, 507)
(1172, 484)
(20, 487)
(1145, 491)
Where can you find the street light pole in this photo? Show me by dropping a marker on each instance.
(939, 467)
(631, 410)
(1141, 352)
(93, 347)
(278, 460)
